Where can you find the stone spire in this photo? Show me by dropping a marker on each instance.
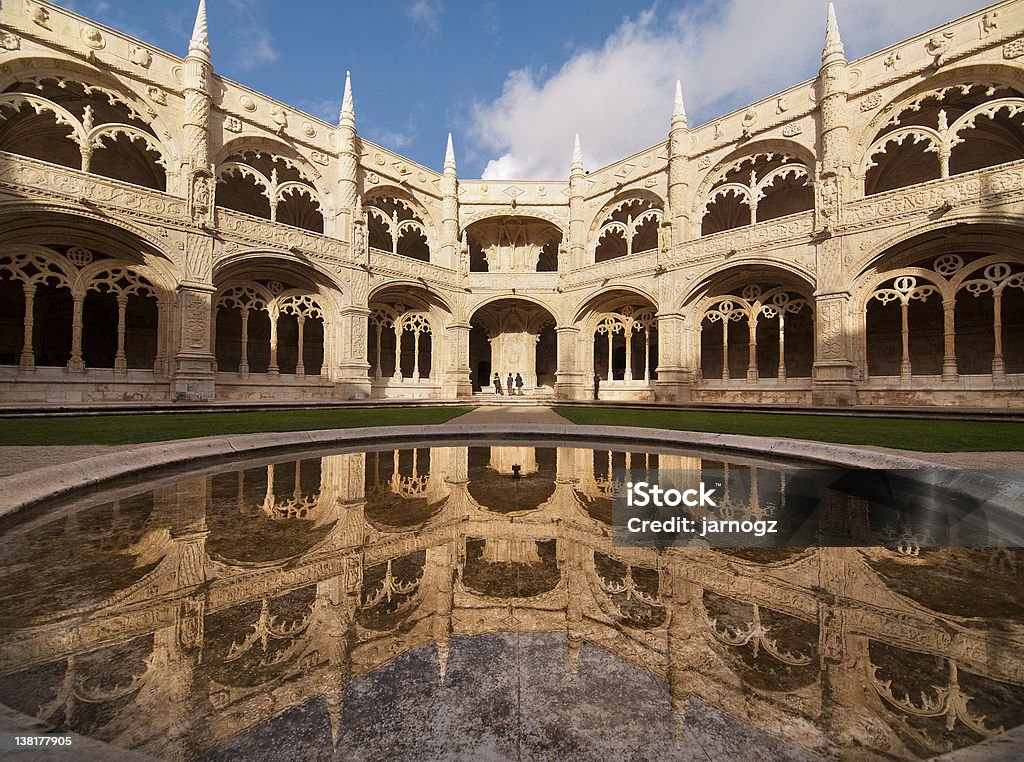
(347, 117)
(449, 156)
(678, 109)
(449, 253)
(833, 43)
(577, 158)
(200, 43)
(675, 227)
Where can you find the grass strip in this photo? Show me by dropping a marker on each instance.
(135, 429)
(923, 435)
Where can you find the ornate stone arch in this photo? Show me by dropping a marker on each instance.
(918, 116)
(636, 217)
(120, 117)
(792, 148)
(393, 214)
(114, 235)
(770, 179)
(582, 307)
(471, 310)
(704, 278)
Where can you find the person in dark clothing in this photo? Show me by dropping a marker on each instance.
(519, 385)
(597, 384)
(497, 385)
(508, 383)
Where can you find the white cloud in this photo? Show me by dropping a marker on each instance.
(393, 139)
(727, 53)
(251, 35)
(426, 14)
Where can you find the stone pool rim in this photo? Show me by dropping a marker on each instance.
(28, 489)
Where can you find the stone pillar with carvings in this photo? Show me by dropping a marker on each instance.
(572, 382)
(833, 372)
(352, 380)
(195, 160)
(674, 375)
(194, 373)
(577, 226)
(448, 256)
(678, 187)
(457, 381)
(350, 216)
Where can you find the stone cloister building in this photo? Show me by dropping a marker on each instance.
(166, 234)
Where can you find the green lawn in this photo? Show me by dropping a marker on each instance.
(133, 429)
(903, 433)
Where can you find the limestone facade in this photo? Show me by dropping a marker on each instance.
(168, 234)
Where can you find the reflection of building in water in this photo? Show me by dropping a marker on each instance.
(183, 617)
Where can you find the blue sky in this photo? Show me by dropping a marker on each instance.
(515, 80)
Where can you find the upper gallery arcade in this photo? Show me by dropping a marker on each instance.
(166, 234)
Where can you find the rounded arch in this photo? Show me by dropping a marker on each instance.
(313, 274)
(943, 300)
(630, 223)
(398, 223)
(950, 77)
(603, 293)
(471, 311)
(97, 128)
(925, 132)
(625, 195)
(742, 272)
(51, 223)
(269, 144)
(512, 344)
(377, 291)
(781, 146)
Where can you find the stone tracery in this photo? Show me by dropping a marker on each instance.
(188, 175)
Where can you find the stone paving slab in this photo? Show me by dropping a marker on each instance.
(500, 414)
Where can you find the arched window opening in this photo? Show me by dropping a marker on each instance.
(758, 333)
(394, 227)
(943, 132)
(400, 343)
(262, 327)
(757, 188)
(81, 126)
(267, 185)
(626, 344)
(629, 228)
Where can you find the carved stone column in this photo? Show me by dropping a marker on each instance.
(833, 371)
(121, 358)
(457, 380)
(571, 379)
(27, 360)
(194, 373)
(674, 374)
(76, 364)
(352, 381)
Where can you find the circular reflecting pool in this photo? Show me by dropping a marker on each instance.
(470, 602)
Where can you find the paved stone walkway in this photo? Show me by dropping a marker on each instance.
(14, 460)
(511, 414)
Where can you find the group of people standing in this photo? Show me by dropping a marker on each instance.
(512, 383)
